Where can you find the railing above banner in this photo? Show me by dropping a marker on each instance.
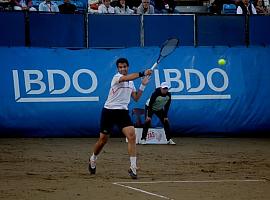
(122, 31)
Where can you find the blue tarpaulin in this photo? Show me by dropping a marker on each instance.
(60, 92)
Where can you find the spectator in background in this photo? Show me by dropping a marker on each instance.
(6, 5)
(237, 2)
(67, 7)
(164, 6)
(122, 8)
(93, 6)
(105, 7)
(48, 6)
(114, 3)
(217, 5)
(133, 4)
(246, 8)
(145, 8)
(260, 8)
(24, 5)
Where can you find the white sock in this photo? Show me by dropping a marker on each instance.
(133, 161)
(93, 157)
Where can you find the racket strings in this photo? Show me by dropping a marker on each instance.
(169, 46)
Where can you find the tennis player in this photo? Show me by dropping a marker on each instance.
(115, 112)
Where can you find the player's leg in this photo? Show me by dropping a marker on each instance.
(125, 124)
(129, 132)
(106, 124)
(166, 126)
(103, 138)
(146, 126)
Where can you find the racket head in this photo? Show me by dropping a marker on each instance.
(168, 47)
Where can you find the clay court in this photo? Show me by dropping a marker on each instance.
(195, 168)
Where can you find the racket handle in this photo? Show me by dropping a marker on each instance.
(154, 66)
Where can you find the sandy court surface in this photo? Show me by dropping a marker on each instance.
(195, 168)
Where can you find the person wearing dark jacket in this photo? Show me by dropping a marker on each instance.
(164, 6)
(246, 8)
(67, 7)
(159, 105)
(217, 5)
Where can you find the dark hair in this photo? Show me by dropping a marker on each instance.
(120, 5)
(122, 60)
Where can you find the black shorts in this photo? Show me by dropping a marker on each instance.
(111, 117)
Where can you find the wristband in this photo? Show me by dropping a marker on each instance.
(142, 87)
(141, 74)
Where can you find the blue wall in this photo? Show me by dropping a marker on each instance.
(60, 92)
(172, 26)
(12, 32)
(114, 31)
(57, 30)
(221, 30)
(259, 30)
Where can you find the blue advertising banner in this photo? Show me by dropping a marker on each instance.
(59, 92)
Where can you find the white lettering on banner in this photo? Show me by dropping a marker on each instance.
(28, 81)
(36, 78)
(174, 75)
(225, 77)
(177, 79)
(188, 82)
(51, 81)
(76, 83)
(42, 86)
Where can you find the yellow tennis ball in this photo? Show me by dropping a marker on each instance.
(222, 61)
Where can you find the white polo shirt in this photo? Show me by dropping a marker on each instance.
(103, 9)
(120, 93)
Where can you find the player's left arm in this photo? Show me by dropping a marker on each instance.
(136, 95)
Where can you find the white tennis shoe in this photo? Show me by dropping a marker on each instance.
(92, 166)
(133, 172)
(171, 142)
(143, 141)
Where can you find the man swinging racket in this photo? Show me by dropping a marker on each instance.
(115, 112)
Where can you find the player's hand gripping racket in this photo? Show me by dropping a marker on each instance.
(166, 49)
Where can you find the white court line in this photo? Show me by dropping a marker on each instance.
(164, 197)
(143, 191)
(205, 181)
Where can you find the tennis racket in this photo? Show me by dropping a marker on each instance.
(166, 49)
